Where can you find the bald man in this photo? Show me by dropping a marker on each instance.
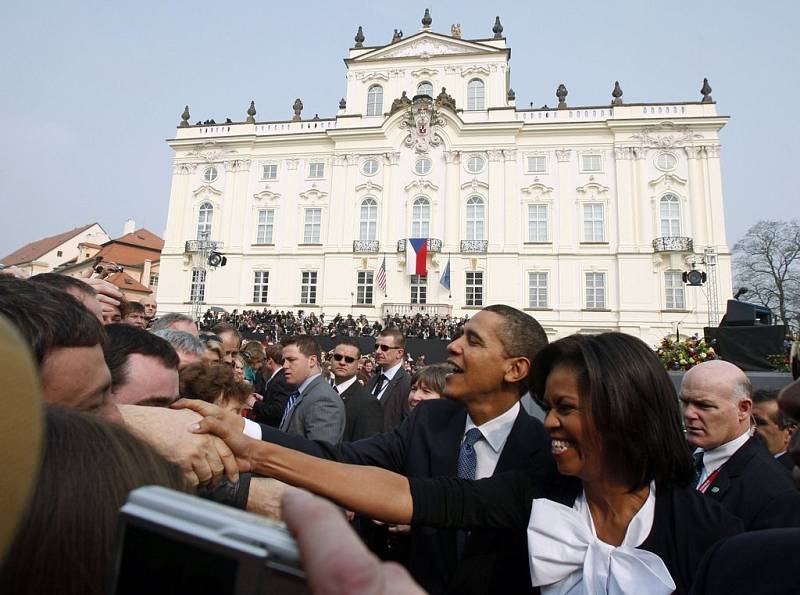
(734, 468)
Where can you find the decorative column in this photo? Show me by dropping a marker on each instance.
(699, 229)
(452, 201)
(180, 210)
(565, 210)
(392, 207)
(340, 226)
(496, 195)
(714, 195)
(626, 200)
(644, 227)
(288, 229)
(234, 207)
(511, 228)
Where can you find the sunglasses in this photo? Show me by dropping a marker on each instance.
(384, 347)
(339, 357)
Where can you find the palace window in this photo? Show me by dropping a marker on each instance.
(266, 224)
(422, 166)
(593, 222)
(474, 288)
(421, 218)
(537, 290)
(475, 164)
(308, 287)
(269, 171)
(425, 88)
(311, 227)
(204, 218)
(475, 95)
(197, 291)
(364, 287)
(419, 289)
(260, 287)
(595, 291)
(316, 169)
(476, 218)
(375, 100)
(368, 224)
(370, 167)
(210, 174)
(675, 295)
(537, 223)
(591, 163)
(537, 164)
(670, 211)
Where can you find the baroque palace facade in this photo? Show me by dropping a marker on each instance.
(585, 216)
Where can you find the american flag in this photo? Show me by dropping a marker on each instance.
(381, 277)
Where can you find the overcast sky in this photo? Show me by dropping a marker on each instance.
(91, 89)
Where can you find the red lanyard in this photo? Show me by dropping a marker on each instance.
(709, 480)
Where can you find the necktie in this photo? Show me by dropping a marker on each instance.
(698, 467)
(289, 404)
(378, 385)
(467, 464)
(336, 389)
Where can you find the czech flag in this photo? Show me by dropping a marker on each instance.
(416, 256)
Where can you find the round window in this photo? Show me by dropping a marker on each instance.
(370, 167)
(422, 166)
(475, 164)
(210, 174)
(666, 161)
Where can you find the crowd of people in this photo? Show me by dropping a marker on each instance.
(620, 485)
(275, 325)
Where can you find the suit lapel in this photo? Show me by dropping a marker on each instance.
(445, 445)
(517, 444)
(733, 467)
(308, 389)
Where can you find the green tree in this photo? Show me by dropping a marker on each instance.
(767, 262)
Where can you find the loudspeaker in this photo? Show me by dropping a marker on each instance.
(746, 314)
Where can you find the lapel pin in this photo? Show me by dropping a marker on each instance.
(714, 490)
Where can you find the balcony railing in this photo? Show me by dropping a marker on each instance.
(434, 245)
(366, 246)
(203, 246)
(474, 246)
(413, 309)
(673, 244)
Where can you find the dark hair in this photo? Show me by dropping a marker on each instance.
(306, 344)
(211, 382)
(123, 340)
(64, 283)
(521, 335)
(65, 543)
(349, 342)
(630, 400)
(396, 333)
(225, 327)
(274, 353)
(764, 395)
(126, 308)
(432, 377)
(253, 352)
(48, 318)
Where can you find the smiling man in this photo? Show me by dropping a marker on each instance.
(733, 468)
(477, 431)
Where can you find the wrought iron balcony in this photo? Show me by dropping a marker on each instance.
(434, 245)
(203, 246)
(673, 244)
(474, 246)
(366, 246)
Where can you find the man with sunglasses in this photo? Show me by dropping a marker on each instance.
(392, 383)
(363, 413)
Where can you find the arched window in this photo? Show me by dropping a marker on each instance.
(375, 100)
(421, 218)
(670, 208)
(204, 218)
(476, 99)
(368, 227)
(425, 88)
(476, 218)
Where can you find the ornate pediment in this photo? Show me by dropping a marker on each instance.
(369, 186)
(267, 195)
(425, 45)
(475, 70)
(537, 191)
(651, 136)
(206, 191)
(474, 185)
(421, 186)
(425, 72)
(592, 190)
(313, 195)
(210, 152)
(668, 180)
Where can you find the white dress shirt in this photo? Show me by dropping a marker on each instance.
(340, 388)
(715, 458)
(253, 429)
(567, 557)
(389, 375)
(495, 433)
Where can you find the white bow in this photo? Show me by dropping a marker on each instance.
(567, 559)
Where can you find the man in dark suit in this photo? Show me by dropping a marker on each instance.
(363, 413)
(491, 364)
(314, 410)
(271, 384)
(391, 384)
(772, 426)
(734, 468)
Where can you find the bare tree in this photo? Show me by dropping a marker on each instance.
(767, 262)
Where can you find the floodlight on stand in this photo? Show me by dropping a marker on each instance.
(215, 259)
(694, 278)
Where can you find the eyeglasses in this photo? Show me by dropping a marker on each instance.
(384, 347)
(339, 357)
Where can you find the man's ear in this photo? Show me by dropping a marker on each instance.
(518, 370)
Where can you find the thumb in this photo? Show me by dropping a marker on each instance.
(87, 273)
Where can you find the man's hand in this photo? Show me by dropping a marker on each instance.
(108, 294)
(203, 458)
(334, 558)
(224, 424)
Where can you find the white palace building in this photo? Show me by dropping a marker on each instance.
(586, 217)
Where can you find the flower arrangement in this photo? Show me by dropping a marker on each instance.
(682, 355)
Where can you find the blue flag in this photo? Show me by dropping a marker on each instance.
(445, 280)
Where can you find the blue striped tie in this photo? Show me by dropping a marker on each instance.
(467, 465)
(289, 404)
